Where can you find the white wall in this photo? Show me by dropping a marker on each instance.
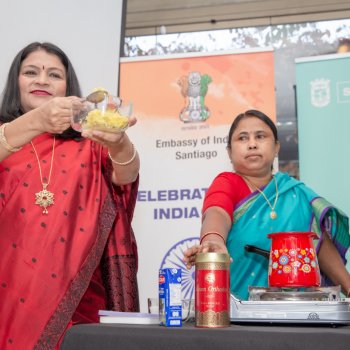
(87, 30)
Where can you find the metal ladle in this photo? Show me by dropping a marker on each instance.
(96, 96)
(102, 95)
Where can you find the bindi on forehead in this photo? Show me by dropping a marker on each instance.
(43, 67)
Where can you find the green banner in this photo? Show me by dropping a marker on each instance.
(323, 105)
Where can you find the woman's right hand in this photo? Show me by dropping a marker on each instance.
(54, 116)
(207, 246)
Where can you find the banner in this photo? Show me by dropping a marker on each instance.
(323, 104)
(185, 106)
(323, 101)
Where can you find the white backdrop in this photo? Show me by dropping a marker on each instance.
(87, 30)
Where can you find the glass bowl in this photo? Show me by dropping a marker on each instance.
(109, 113)
(188, 308)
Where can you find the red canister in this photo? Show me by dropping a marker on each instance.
(212, 298)
(293, 260)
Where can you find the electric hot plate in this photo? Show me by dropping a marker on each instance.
(275, 305)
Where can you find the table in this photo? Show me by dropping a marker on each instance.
(188, 337)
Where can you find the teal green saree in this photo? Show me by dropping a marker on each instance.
(298, 209)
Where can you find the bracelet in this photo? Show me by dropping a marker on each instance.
(212, 233)
(4, 142)
(128, 161)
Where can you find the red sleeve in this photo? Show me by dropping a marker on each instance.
(225, 192)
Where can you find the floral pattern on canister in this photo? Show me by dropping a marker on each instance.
(284, 261)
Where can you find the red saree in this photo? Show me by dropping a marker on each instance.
(61, 268)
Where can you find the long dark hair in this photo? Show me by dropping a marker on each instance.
(252, 113)
(10, 107)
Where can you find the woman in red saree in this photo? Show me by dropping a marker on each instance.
(66, 204)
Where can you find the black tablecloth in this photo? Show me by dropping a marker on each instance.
(259, 337)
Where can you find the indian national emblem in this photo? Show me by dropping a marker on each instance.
(320, 92)
(194, 87)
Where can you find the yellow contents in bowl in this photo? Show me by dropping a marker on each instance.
(107, 120)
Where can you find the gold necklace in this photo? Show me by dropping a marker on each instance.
(273, 214)
(44, 198)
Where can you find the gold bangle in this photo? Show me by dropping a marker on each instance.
(212, 233)
(128, 161)
(4, 142)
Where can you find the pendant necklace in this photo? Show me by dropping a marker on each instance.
(44, 198)
(273, 214)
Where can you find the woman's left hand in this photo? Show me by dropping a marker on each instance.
(125, 160)
(108, 139)
(331, 263)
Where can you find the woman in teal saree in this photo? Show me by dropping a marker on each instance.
(241, 208)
